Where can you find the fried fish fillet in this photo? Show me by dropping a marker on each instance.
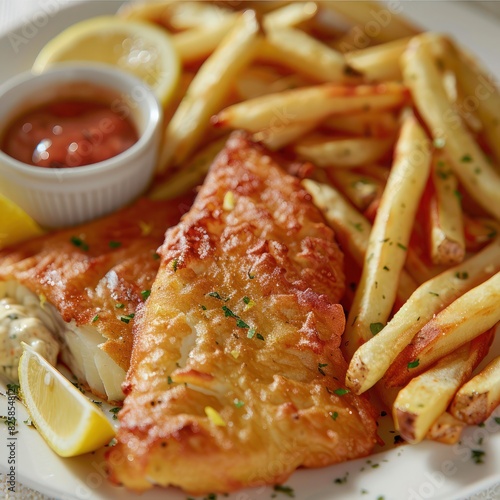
(236, 373)
(85, 284)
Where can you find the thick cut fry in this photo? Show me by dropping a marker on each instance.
(374, 358)
(447, 240)
(354, 152)
(351, 228)
(464, 319)
(301, 52)
(369, 124)
(427, 396)
(446, 429)
(208, 91)
(476, 400)
(390, 237)
(278, 137)
(468, 161)
(198, 43)
(373, 20)
(379, 63)
(310, 104)
(190, 176)
(290, 15)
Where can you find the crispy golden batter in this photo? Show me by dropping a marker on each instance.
(86, 271)
(236, 373)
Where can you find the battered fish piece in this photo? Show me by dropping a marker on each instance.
(85, 284)
(236, 372)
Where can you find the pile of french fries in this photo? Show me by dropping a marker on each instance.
(404, 136)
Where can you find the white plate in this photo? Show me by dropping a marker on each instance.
(429, 470)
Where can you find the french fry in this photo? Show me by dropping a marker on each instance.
(359, 189)
(208, 91)
(351, 228)
(369, 124)
(447, 239)
(309, 104)
(477, 399)
(373, 20)
(198, 43)
(374, 358)
(190, 176)
(290, 15)
(467, 159)
(426, 397)
(185, 15)
(479, 231)
(379, 63)
(354, 152)
(158, 12)
(278, 137)
(389, 237)
(300, 52)
(446, 429)
(464, 319)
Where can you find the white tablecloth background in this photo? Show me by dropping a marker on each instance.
(15, 12)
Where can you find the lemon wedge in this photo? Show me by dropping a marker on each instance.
(15, 224)
(138, 47)
(69, 422)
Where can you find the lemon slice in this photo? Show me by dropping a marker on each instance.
(139, 47)
(69, 422)
(15, 224)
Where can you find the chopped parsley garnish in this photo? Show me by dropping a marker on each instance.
(215, 295)
(126, 319)
(462, 275)
(115, 411)
(358, 226)
(341, 391)
(228, 313)
(413, 364)
(174, 265)
(78, 242)
(247, 300)
(403, 247)
(477, 456)
(466, 158)
(204, 308)
(241, 324)
(169, 380)
(120, 306)
(251, 333)
(145, 294)
(95, 318)
(320, 368)
(376, 328)
(497, 420)
(250, 275)
(434, 293)
(334, 415)
(341, 480)
(286, 490)
(115, 244)
(385, 268)
(259, 336)
(156, 256)
(238, 403)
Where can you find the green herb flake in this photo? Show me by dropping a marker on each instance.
(169, 380)
(115, 244)
(241, 324)
(341, 480)
(358, 226)
(286, 490)
(461, 275)
(250, 275)
(145, 294)
(204, 308)
(95, 318)
(477, 456)
(115, 411)
(260, 337)
(126, 319)
(320, 368)
(466, 159)
(413, 364)
(78, 242)
(385, 268)
(174, 265)
(247, 300)
(120, 306)
(334, 415)
(238, 403)
(251, 333)
(497, 420)
(341, 391)
(156, 256)
(215, 295)
(228, 313)
(434, 293)
(403, 247)
(376, 328)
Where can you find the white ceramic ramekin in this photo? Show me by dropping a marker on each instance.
(60, 197)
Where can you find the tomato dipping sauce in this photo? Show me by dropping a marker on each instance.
(68, 133)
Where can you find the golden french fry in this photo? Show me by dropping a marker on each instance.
(447, 239)
(359, 189)
(354, 152)
(477, 399)
(309, 104)
(390, 236)
(351, 228)
(374, 358)
(301, 52)
(208, 91)
(189, 176)
(479, 231)
(379, 63)
(461, 321)
(373, 21)
(290, 15)
(278, 137)
(186, 15)
(469, 162)
(446, 429)
(426, 397)
(198, 43)
(368, 124)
